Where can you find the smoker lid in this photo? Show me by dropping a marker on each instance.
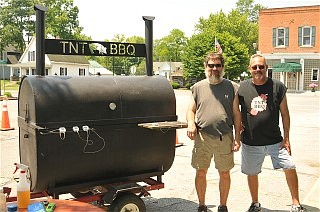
(50, 101)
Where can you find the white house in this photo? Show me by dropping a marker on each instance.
(166, 69)
(61, 65)
(95, 68)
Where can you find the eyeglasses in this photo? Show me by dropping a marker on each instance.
(255, 67)
(214, 65)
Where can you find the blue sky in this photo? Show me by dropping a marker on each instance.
(102, 19)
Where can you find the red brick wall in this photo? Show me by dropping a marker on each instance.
(291, 17)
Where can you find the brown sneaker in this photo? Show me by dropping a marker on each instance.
(202, 208)
(254, 207)
(222, 208)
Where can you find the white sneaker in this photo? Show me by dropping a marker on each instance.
(298, 208)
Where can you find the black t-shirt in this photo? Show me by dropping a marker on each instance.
(260, 105)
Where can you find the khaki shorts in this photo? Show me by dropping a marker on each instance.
(207, 146)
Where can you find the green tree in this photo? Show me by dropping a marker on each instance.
(170, 47)
(17, 19)
(135, 61)
(199, 45)
(62, 19)
(236, 55)
(235, 33)
(121, 65)
(235, 23)
(250, 9)
(141, 68)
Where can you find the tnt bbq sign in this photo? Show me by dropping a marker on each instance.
(94, 48)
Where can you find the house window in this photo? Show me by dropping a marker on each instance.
(82, 72)
(280, 37)
(315, 74)
(16, 72)
(306, 36)
(31, 56)
(63, 71)
(34, 72)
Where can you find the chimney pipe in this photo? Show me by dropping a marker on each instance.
(149, 43)
(40, 29)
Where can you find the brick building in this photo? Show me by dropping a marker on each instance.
(289, 39)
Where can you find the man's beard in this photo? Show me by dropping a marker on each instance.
(215, 78)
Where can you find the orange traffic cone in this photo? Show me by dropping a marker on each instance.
(5, 124)
(177, 140)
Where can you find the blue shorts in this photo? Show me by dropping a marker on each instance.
(252, 158)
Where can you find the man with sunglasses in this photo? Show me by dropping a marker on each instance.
(212, 113)
(261, 99)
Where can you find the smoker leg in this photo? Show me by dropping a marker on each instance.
(55, 195)
(159, 178)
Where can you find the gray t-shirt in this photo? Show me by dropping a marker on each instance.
(214, 106)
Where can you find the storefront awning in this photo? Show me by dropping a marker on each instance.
(287, 67)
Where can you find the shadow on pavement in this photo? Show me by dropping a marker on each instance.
(183, 205)
(172, 204)
(309, 209)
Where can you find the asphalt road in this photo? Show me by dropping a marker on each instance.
(179, 193)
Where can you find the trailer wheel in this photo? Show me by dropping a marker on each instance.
(125, 202)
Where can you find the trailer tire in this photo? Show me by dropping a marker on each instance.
(127, 202)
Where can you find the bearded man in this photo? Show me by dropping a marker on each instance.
(212, 115)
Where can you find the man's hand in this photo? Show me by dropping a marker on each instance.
(192, 130)
(236, 145)
(286, 144)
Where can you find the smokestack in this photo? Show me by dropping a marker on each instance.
(40, 28)
(149, 43)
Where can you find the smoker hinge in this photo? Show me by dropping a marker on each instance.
(26, 115)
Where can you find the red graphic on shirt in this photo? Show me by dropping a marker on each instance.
(264, 96)
(253, 112)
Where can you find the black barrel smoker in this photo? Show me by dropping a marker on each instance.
(78, 132)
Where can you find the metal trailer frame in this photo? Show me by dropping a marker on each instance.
(104, 195)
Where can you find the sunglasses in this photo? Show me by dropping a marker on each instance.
(255, 67)
(214, 65)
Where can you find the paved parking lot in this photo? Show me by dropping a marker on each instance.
(179, 193)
